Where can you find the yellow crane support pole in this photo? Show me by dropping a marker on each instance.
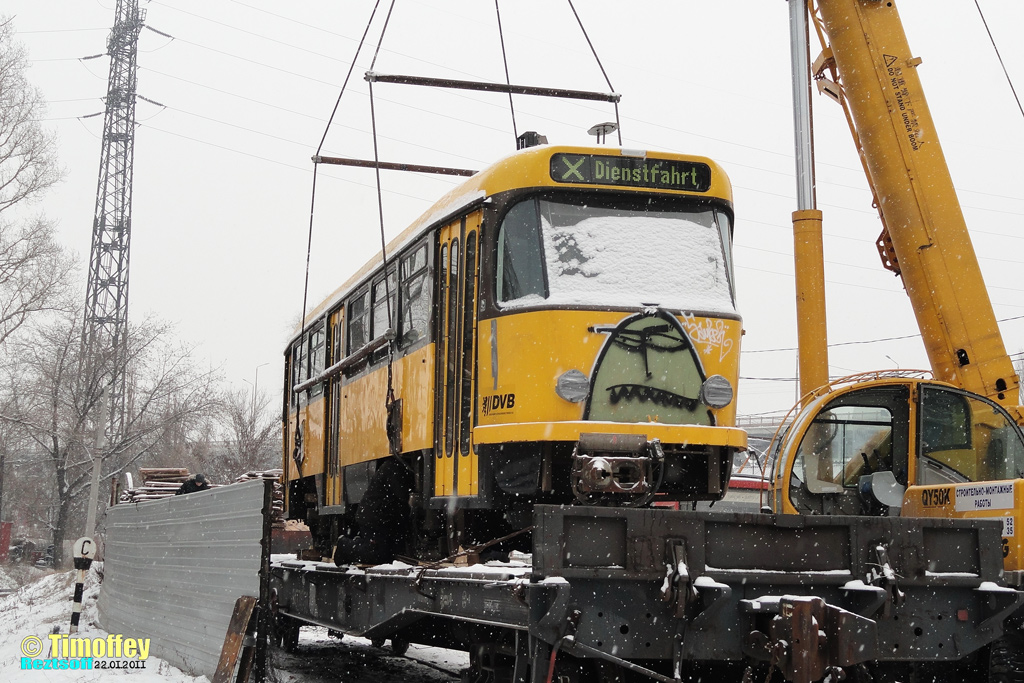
(916, 198)
(808, 254)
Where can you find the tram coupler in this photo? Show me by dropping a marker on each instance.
(616, 464)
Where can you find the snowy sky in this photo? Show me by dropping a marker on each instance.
(222, 170)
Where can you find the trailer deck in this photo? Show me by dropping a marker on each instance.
(661, 591)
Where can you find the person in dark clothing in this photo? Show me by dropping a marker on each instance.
(194, 483)
(382, 519)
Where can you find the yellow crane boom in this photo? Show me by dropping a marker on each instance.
(925, 239)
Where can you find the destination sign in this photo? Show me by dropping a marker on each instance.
(661, 174)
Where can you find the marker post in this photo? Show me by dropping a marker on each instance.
(85, 551)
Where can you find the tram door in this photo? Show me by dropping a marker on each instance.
(455, 463)
(334, 485)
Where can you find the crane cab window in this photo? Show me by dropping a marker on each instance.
(841, 445)
(966, 438)
(857, 433)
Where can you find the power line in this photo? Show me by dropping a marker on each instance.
(487, 103)
(1000, 57)
(263, 37)
(290, 111)
(64, 30)
(282, 163)
(875, 341)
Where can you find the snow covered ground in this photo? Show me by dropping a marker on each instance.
(44, 604)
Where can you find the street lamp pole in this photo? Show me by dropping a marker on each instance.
(255, 386)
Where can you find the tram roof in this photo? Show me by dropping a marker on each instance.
(531, 168)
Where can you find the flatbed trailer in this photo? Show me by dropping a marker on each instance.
(667, 593)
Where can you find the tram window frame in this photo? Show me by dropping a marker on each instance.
(357, 322)
(337, 341)
(382, 289)
(300, 369)
(723, 219)
(416, 275)
(317, 337)
(713, 213)
(524, 249)
(296, 370)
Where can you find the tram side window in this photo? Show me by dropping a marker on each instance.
(725, 230)
(337, 337)
(381, 304)
(298, 369)
(415, 321)
(843, 444)
(358, 321)
(520, 267)
(385, 296)
(317, 356)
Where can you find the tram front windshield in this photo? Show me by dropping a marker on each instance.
(563, 254)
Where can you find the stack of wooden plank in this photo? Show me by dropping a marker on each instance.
(157, 482)
(161, 482)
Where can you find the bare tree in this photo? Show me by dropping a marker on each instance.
(252, 435)
(33, 267)
(52, 401)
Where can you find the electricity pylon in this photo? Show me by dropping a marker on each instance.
(104, 335)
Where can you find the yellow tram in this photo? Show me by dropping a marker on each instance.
(560, 327)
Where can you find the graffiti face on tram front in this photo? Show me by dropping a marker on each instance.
(647, 371)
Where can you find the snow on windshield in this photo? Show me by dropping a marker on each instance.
(632, 259)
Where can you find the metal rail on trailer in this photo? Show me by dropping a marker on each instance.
(658, 591)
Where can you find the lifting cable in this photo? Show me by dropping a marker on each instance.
(391, 314)
(618, 126)
(508, 82)
(312, 199)
(389, 399)
(1005, 72)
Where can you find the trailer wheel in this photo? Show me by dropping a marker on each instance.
(1006, 659)
(399, 646)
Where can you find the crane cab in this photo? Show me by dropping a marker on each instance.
(902, 445)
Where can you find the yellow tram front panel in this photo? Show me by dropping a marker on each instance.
(518, 375)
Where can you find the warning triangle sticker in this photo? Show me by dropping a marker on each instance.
(889, 59)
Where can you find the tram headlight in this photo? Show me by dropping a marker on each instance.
(716, 392)
(573, 386)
